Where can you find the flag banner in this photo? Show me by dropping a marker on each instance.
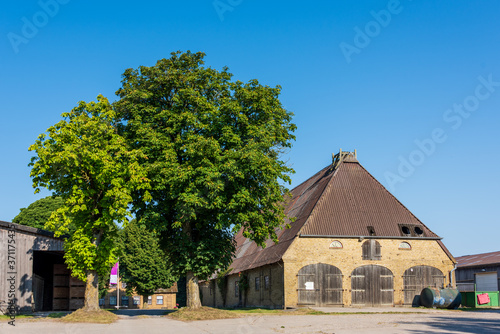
(113, 279)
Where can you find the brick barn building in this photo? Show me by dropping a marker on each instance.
(352, 244)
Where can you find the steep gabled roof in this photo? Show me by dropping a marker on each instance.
(342, 200)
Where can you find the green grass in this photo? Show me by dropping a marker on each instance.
(19, 316)
(57, 315)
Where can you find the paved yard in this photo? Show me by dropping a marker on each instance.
(425, 321)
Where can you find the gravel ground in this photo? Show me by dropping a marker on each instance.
(424, 321)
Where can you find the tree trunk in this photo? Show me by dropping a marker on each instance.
(92, 292)
(192, 291)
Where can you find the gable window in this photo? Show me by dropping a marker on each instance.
(257, 283)
(336, 245)
(405, 246)
(371, 230)
(371, 250)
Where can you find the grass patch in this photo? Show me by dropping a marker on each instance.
(203, 313)
(96, 317)
(56, 315)
(18, 316)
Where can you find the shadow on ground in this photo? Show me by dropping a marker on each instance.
(463, 324)
(138, 312)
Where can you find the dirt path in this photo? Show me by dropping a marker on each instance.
(417, 323)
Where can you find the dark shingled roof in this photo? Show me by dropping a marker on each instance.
(486, 259)
(341, 200)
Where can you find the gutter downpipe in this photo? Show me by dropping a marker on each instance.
(451, 275)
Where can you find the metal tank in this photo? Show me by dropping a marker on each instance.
(440, 298)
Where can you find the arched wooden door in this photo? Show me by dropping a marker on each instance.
(372, 285)
(319, 284)
(417, 278)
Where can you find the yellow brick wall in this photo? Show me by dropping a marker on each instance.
(305, 251)
(272, 297)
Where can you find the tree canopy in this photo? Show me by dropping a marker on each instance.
(211, 148)
(143, 264)
(86, 163)
(38, 212)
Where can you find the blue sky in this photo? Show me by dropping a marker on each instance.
(414, 86)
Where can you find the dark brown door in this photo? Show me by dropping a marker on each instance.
(319, 284)
(372, 285)
(417, 278)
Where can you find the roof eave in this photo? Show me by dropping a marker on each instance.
(368, 237)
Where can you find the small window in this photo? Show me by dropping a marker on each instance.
(405, 230)
(418, 231)
(159, 300)
(137, 300)
(371, 230)
(336, 245)
(257, 283)
(404, 245)
(101, 302)
(112, 300)
(124, 301)
(236, 289)
(266, 282)
(150, 300)
(124, 285)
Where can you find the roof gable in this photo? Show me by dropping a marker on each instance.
(341, 200)
(354, 203)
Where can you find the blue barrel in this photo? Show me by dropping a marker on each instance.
(440, 298)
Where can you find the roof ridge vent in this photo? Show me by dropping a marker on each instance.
(340, 157)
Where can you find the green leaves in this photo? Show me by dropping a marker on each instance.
(87, 164)
(38, 212)
(213, 150)
(143, 264)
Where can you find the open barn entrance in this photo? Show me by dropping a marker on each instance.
(43, 278)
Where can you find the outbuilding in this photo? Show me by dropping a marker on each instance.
(352, 243)
(33, 275)
(478, 275)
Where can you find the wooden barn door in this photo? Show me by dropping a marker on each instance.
(417, 278)
(319, 284)
(372, 285)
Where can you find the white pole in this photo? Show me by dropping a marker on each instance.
(118, 286)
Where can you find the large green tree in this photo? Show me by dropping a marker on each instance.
(84, 161)
(38, 212)
(212, 150)
(143, 264)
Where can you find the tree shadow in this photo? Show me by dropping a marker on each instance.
(458, 325)
(143, 312)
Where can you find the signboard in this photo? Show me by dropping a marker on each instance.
(309, 285)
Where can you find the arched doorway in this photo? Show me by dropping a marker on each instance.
(417, 278)
(372, 285)
(319, 284)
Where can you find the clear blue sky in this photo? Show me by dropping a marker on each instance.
(375, 76)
